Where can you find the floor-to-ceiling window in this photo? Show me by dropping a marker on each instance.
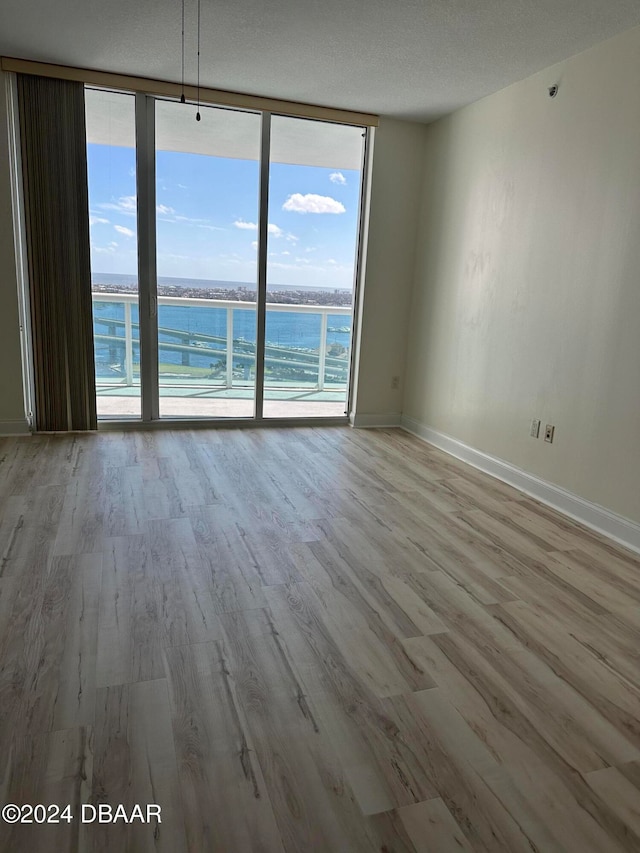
(207, 197)
(111, 168)
(314, 210)
(232, 194)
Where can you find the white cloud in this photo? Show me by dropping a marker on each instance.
(173, 217)
(173, 257)
(98, 220)
(125, 204)
(105, 250)
(200, 223)
(127, 232)
(274, 230)
(337, 178)
(289, 271)
(312, 203)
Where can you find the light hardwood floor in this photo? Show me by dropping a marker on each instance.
(309, 640)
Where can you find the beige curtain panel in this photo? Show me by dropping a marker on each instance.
(54, 168)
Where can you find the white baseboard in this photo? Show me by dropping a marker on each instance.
(386, 419)
(17, 427)
(592, 515)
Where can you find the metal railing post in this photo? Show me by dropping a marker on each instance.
(322, 352)
(128, 344)
(229, 347)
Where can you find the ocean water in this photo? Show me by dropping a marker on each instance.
(283, 329)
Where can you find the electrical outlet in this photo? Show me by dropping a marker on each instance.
(534, 430)
(395, 382)
(548, 433)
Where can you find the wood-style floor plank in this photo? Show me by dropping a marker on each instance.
(558, 798)
(621, 795)
(459, 766)
(49, 769)
(226, 805)
(130, 636)
(292, 746)
(433, 829)
(135, 763)
(315, 639)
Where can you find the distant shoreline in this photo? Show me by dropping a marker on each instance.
(241, 293)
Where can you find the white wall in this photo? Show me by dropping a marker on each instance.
(527, 294)
(12, 416)
(390, 257)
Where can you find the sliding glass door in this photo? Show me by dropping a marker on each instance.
(249, 227)
(207, 197)
(111, 168)
(315, 177)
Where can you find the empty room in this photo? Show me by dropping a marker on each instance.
(319, 426)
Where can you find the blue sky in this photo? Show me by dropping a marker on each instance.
(207, 210)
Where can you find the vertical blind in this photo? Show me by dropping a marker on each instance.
(54, 169)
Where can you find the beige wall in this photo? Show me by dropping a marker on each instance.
(394, 207)
(12, 416)
(527, 295)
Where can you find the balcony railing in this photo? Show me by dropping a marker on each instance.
(185, 352)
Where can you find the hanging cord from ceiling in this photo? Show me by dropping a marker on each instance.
(198, 107)
(182, 97)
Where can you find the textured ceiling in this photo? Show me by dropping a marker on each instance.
(413, 59)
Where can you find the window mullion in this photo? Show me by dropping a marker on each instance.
(147, 275)
(265, 145)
